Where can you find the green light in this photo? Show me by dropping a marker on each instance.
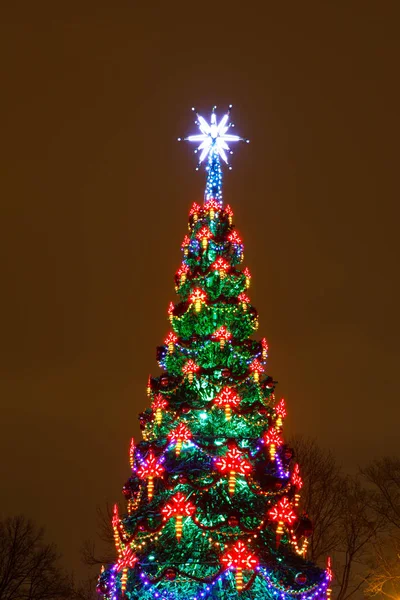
(152, 557)
(203, 415)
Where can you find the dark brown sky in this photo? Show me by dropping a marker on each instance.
(95, 193)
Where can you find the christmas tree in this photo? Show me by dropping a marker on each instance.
(213, 496)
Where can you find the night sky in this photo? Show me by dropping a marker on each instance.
(95, 193)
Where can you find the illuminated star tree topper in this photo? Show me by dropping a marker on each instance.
(213, 142)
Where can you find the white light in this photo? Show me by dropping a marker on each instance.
(214, 136)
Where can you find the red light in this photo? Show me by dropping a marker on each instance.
(234, 238)
(204, 233)
(282, 511)
(239, 556)
(195, 209)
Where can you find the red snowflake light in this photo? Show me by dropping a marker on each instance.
(182, 269)
(182, 272)
(197, 297)
(195, 209)
(171, 308)
(283, 513)
(280, 411)
(178, 507)
(244, 299)
(238, 557)
(204, 234)
(228, 211)
(234, 238)
(186, 241)
(256, 368)
(158, 404)
(228, 399)
(185, 245)
(232, 463)
(189, 369)
(222, 335)
(180, 434)
(127, 560)
(264, 345)
(222, 266)
(149, 469)
(212, 206)
(272, 439)
(170, 341)
(297, 482)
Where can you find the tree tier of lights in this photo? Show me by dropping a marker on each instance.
(213, 497)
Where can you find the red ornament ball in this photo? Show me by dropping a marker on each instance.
(170, 574)
(288, 453)
(233, 520)
(225, 372)
(185, 408)
(164, 381)
(183, 479)
(301, 578)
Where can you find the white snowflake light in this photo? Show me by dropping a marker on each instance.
(214, 137)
